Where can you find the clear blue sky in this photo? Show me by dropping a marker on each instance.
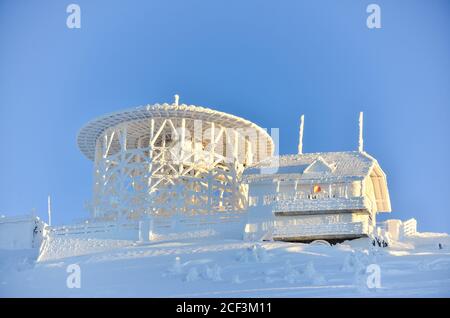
(267, 61)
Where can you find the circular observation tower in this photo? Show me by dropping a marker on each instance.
(170, 158)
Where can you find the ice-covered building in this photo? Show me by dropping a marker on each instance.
(331, 196)
(190, 167)
(162, 160)
(305, 197)
(397, 229)
(21, 232)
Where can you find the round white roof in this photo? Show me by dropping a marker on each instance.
(88, 134)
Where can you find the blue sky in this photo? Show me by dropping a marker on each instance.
(267, 61)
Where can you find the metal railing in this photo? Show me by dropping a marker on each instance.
(322, 229)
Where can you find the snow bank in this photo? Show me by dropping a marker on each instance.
(230, 268)
(17, 260)
(255, 253)
(62, 247)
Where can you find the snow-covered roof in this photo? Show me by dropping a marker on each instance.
(88, 135)
(316, 165)
(324, 166)
(18, 218)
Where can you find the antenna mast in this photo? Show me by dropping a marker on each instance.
(361, 141)
(49, 210)
(300, 137)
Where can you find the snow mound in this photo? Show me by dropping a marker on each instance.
(17, 260)
(255, 253)
(62, 247)
(213, 273)
(291, 274)
(311, 273)
(192, 275)
(230, 268)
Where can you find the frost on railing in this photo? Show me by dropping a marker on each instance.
(297, 205)
(91, 228)
(157, 225)
(321, 229)
(197, 220)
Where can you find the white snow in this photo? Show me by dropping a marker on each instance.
(21, 232)
(214, 267)
(63, 247)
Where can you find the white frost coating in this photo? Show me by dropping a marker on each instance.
(255, 253)
(236, 279)
(300, 137)
(165, 159)
(319, 168)
(347, 165)
(21, 232)
(345, 190)
(192, 275)
(61, 247)
(49, 211)
(299, 231)
(140, 172)
(311, 273)
(291, 274)
(397, 230)
(88, 135)
(360, 140)
(213, 273)
(324, 204)
(139, 270)
(177, 267)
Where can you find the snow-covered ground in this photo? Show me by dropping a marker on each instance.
(229, 268)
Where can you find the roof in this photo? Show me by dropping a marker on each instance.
(88, 135)
(18, 218)
(326, 166)
(353, 164)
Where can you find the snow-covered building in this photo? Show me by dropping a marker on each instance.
(304, 197)
(21, 232)
(176, 166)
(167, 159)
(397, 229)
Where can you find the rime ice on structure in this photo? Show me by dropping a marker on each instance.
(330, 195)
(170, 159)
(175, 160)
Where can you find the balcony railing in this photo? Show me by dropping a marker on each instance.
(288, 230)
(322, 204)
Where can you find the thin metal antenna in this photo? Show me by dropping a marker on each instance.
(49, 210)
(361, 140)
(300, 137)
